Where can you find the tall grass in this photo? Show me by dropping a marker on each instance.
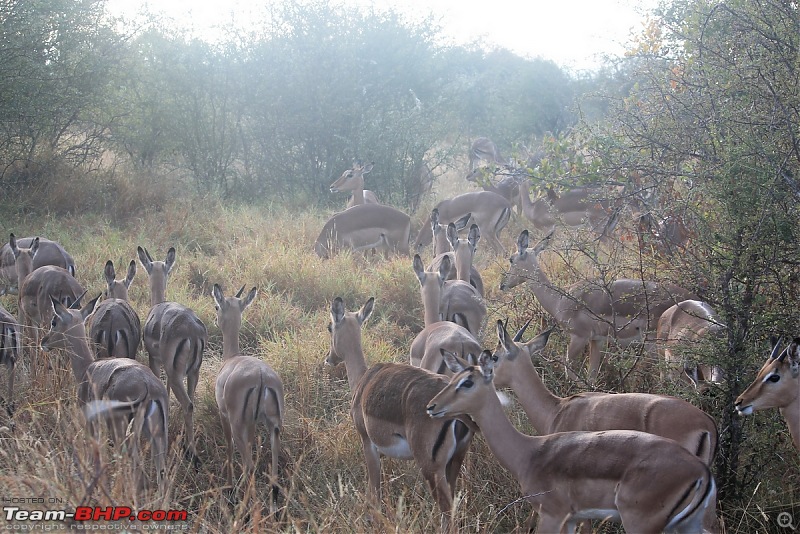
(46, 453)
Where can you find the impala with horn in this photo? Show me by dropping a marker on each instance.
(777, 385)
(365, 226)
(353, 180)
(646, 482)
(625, 310)
(248, 392)
(661, 415)
(388, 410)
(115, 328)
(175, 339)
(115, 390)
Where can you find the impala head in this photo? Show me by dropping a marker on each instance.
(23, 257)
(431, 283)
(118, 289)
(524, 262)
(512, 352)
(345, 329)
(777, 384)
(464, 247)
(352, 178)
(439, 232)
(157, 272)
(469, 388)
(229, 309)
(67, 325)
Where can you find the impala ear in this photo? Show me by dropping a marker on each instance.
(145, 259)
(170, 261)
(453, 362)
(87, 310)
(419, 268)
(794, 357)
(502, 335)
(486, 362)
(251, 295)
(522, 243)
(337, 310)
(444, 268)
(109, 273)
(58, 308)
(131, 273)
(366, 310)
(452, 235)
(474, 235)
(538, 343)
(34, 247)
(368, 168)
(463, 221)
(219, 296)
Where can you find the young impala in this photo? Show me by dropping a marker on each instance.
(115, 389)
(174, 338)
(646, 482)
(248, 391)
(388, 411)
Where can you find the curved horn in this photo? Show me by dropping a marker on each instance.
(518, 335)
(239, 294)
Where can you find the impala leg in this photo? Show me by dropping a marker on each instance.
(226, 430)
(373, 460)
(574, 355)
(275, 443)
(10, 395)
(188, 417)
(595, 360)
(441, 494)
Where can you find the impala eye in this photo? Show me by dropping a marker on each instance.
(468, 383)
(774, 378)
(330, 328)
(53, 322)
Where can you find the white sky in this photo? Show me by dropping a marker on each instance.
(573, 33)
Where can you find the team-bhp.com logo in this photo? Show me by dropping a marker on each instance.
(147, 519)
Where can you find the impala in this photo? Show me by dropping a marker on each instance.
(483, 149)
(662, 415)
(248, 391)
(115, 328)
(683, 324)
(36, 286)
(388, 411)
(575, 207)
(10, 351)
(490, 212)
(116, 389)
(460, 251)
(353, 180)
(174, 338)
(365, 226)
(507, 186)
(49, 253)
(668, 234)
(777, 385)
(438, 334)
(459, 302)
(648, 483)
(625, 310)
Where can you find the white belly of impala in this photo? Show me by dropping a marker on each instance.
(397, 448)
(596, 513)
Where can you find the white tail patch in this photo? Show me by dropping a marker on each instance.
(99, 408)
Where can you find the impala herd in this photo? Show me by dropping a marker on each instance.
(640, 459)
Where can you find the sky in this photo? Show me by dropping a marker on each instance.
(573, 33)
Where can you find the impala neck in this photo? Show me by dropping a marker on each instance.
(431, 300)
(540, 285)
(230, 344)
(463, 261)
(791, 413)
(358, 191)
(80, 355)
(539, 403)
(355, 364)
(158, 290)
(511, 447)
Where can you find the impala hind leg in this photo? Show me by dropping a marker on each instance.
(188, 418)
(275, 445)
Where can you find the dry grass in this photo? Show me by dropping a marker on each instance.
(48, 455)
